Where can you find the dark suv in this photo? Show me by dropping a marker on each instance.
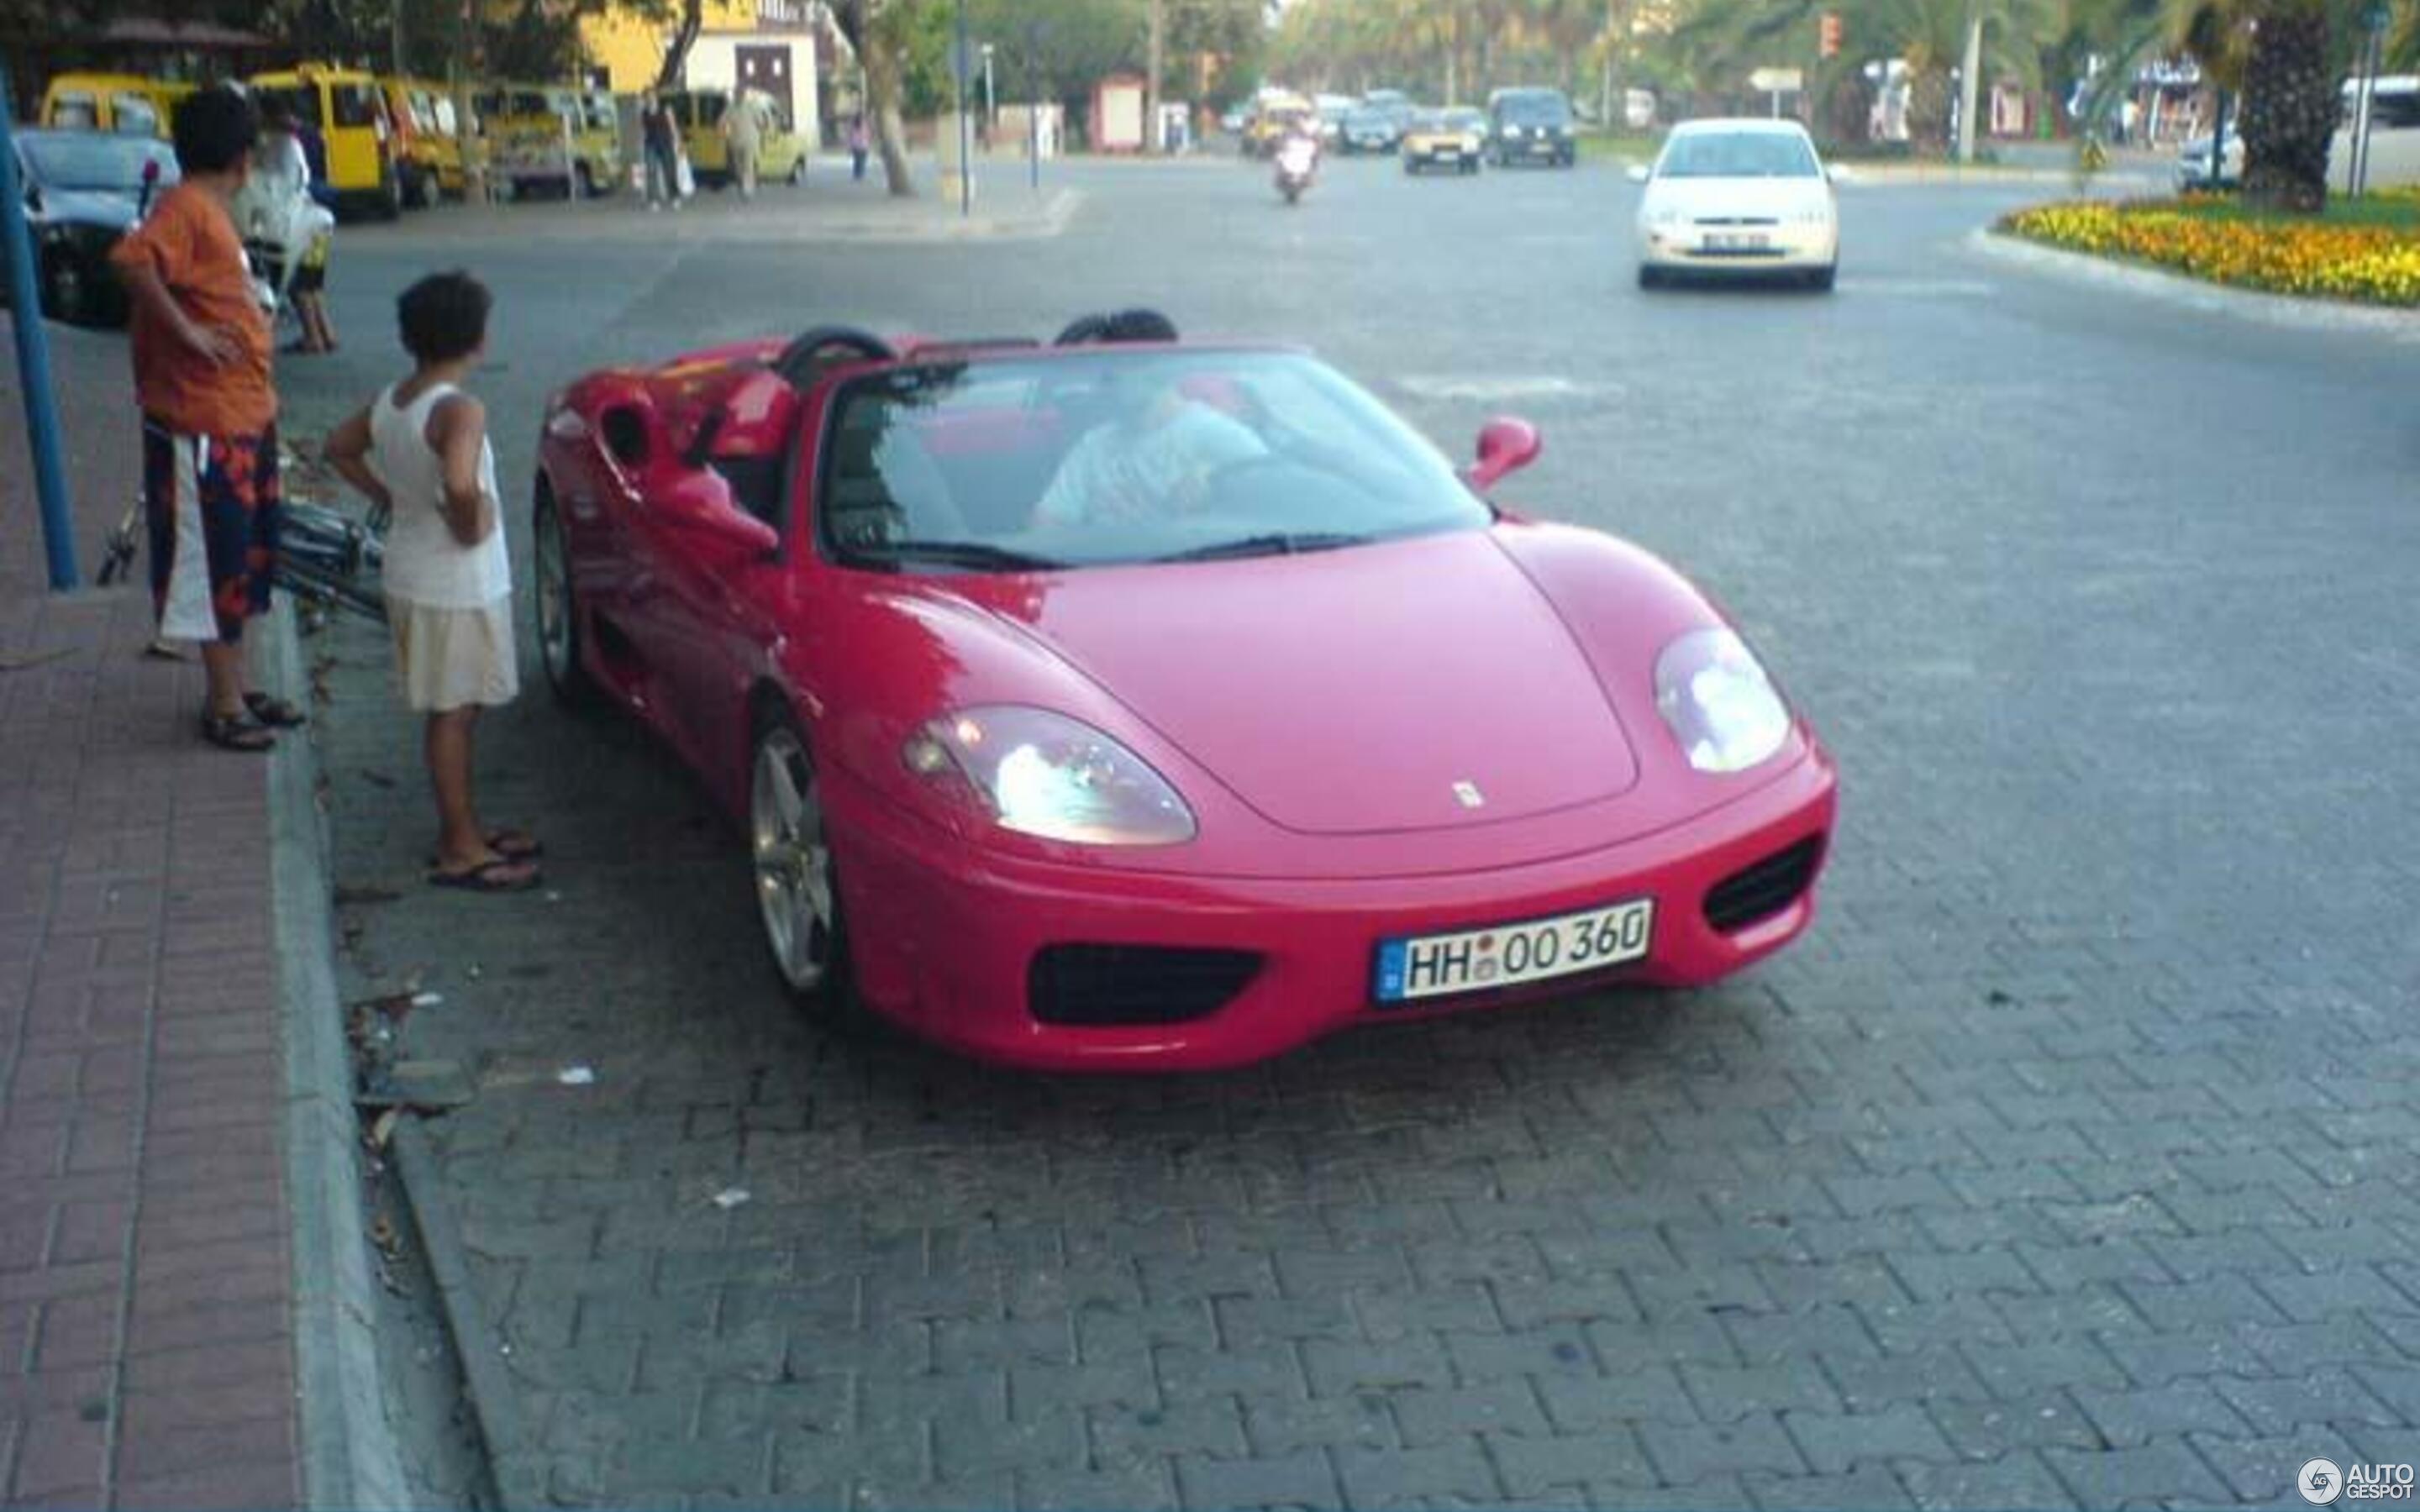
(1530, 126)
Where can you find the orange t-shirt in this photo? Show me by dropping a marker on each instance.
(190, 243)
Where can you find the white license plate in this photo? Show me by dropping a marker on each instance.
(1508, 955)
(1736, 241)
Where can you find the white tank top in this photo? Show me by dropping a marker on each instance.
(425, 563)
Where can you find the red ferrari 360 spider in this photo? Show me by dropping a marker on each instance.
(1130, 703)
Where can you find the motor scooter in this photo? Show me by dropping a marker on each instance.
(280, 223)
(1297, 161)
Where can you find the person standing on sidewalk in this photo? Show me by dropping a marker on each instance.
(201, 349)
(743, 135)
(421, 449)
(659, 141)
(857, 146)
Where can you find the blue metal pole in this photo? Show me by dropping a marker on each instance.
(34, 357)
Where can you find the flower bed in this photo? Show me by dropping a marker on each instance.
(2370, 262)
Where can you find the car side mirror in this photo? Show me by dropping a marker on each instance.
(1637, 173)
(1506, 445)
(699, 501)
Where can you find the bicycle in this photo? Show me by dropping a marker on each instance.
(325, 558)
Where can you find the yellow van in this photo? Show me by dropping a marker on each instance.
(122, 102)
(780, 152)
(534, 130)
(349, 108)
(430, 152)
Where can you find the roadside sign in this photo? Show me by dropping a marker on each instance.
(1776, 81)
(2376, 17)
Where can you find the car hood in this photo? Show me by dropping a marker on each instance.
(89, 207)
(1704, 198)
(1378, 688)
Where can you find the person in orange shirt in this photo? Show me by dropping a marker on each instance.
(201, 350)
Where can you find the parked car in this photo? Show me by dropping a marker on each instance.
(1368, 131)
(1530, 126)
(84, 189)
(780, 152)
(1446, 139)
(1743, 196)
(347, 108)
(1063, 759)
(430, 148)
(123, 103)
(553, 139)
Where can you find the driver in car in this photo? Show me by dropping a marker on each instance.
(1151, 460)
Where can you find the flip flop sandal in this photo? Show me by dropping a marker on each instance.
(275, 713)
(511, 845)
(486, 877)
(236, 733)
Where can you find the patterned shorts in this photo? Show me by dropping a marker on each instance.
(212, 504)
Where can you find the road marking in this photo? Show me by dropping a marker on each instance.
(1919, 288)
(1491, 391)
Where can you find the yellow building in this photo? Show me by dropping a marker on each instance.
(766, 46)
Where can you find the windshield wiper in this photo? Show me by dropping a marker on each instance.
(981, 554)
(1273, 545)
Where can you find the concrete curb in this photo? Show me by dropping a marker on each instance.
(917, 223)
(495, 1405)
(2285, 310)
(348, 1452)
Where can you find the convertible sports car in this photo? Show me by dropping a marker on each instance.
(1135, 703)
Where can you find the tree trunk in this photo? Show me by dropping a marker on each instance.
(860, 27)
(1928, 108)
(2290, 105)
(1155, 59)
(692, 20)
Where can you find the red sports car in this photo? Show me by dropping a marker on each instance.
(1130, 703)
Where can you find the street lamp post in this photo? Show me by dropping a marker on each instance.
(34, 359)
(966, 146)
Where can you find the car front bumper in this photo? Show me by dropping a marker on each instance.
(1439, 155)
(1527, 148)
(945, 935)
(1688, 248)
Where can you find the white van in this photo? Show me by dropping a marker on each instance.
(2394, 135)
(2394, 142)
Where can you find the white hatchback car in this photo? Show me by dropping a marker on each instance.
(1743, 196)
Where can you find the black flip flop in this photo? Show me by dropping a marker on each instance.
(235, 733)
(275, 713)
(514, 845)
(483, 878)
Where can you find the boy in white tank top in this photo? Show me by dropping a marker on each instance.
(421, 449)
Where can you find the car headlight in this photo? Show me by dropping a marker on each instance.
(1051, 777)
(1816, 215)
(1511, 130)
(1717, 701)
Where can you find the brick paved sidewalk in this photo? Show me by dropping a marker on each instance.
(153, 1291)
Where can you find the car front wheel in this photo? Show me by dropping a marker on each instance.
(1822, 279)
(558, 606)
(796, 890)
(67, 290)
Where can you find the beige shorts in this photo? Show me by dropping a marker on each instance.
(453, 658)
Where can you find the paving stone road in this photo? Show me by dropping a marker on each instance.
(2074, 1159)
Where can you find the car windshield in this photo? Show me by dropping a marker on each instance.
(1119, 457)
(1464, 120)
(1537, 110)
(301, 102)
(1738, 155)
(106, 163)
